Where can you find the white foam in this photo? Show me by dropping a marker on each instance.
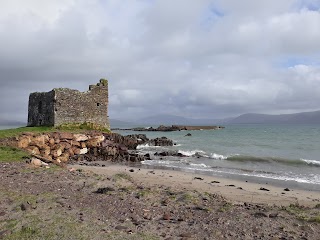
(310, 161)
(192, 152)
(218, 156)
(288, 178)
(312, 180)
(142, 146)
(160, 162)
(145, 146)
(202, 165)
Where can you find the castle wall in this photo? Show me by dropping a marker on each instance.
(72, 106)
(41, 109)
(63, 106)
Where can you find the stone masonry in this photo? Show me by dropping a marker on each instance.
(65, 106)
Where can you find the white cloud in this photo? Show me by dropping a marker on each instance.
(209, 58)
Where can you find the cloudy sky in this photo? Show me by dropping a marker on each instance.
(201, 59)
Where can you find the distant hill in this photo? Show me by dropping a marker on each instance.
(115, 123)
(296, 118)
(5, 122)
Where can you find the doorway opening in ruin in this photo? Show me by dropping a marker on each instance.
(40, 107)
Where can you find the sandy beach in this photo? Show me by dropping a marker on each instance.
(123, 202)
(233, 190)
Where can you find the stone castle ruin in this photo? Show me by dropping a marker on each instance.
(66, 106)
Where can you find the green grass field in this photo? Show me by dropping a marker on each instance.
(11, 154)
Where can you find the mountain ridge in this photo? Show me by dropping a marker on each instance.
(293, 118)
(167, 119)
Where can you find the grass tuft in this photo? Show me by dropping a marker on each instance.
(11, 154)
(315, 219)
(24, 233)
(82, 126)
(225, 207)
(120, 176)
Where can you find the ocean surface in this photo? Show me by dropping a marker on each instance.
(2, 127)
(285, 155)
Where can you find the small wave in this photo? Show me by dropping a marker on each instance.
(310, 161)
(269, 175)
(218, 156)
(287, 178)
(244, 158)
(202, 165)
(168, 163)
(311, 179)
(192, 153)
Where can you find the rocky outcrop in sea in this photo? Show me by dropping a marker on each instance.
(172, 128)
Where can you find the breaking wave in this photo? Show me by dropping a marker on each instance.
(193, 153)
(218, 156)
(311, 162)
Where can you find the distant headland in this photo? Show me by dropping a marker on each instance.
(172, 128)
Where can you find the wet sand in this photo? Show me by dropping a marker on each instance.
(233, 190)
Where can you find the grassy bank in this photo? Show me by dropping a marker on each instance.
(16, 131)
(11, 154)
(74, 127)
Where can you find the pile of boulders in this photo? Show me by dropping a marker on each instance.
(60, 147)
(63, 147)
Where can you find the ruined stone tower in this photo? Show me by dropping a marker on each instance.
(65, 106)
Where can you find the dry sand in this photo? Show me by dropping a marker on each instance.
(233, 190)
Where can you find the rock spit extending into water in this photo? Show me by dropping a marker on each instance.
(172, 128)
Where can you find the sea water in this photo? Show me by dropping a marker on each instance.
(3, 127)
(287, 155)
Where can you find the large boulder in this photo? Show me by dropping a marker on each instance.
(95, 141)
(23, 142)
(66, 135)
(163, 141)
(33, 150)
(80, 137)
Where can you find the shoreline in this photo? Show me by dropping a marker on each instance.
(242, 178)
(234, 190)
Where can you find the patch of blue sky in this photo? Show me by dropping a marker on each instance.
(287, 62)
(311, 5)
(210, 16)
(216, 12)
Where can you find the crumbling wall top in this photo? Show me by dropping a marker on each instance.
(102, 83)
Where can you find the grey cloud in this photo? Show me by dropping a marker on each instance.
(201, 58)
